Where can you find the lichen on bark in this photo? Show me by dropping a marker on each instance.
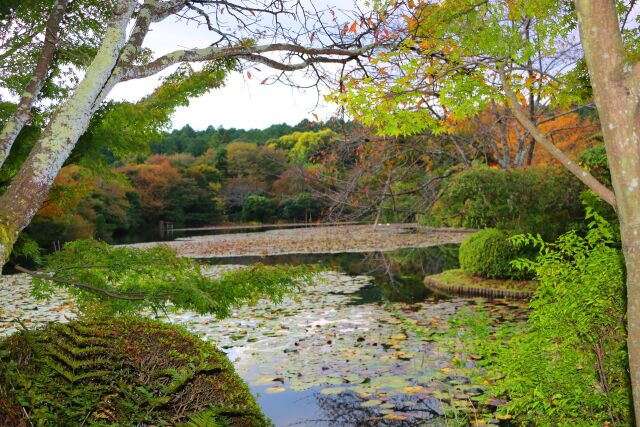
(8, 238)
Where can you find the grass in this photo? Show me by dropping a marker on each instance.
(461, 278)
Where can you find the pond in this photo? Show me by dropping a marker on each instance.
(160, 235)
(354, 348)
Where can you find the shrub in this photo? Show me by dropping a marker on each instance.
(595, 161)
(122, 371)
(543, 200)
(570, 363)
(488, 253)
(257, 208)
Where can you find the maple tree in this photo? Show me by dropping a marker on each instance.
(501, 139)
(515, 60)
(249, 159)
(153, 180)
(459, 56)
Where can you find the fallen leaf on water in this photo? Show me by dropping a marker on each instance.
(393, 416)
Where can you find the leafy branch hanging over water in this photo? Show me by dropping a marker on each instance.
(115, 280)
(569, 361)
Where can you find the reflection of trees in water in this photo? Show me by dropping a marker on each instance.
(399, 273)
(345, 409)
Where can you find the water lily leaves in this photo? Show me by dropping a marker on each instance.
(415, 389)
(334, 381)
(504, 417)
(325, 342)
(333, 390)
(394, 416)
(370, 403)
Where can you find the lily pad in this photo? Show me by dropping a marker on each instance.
(370, 403)
(333, 390)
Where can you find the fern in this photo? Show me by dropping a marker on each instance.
(120, 371)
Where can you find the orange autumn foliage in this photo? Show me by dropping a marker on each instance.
(153, 180)
(70, 188)
(569, 131)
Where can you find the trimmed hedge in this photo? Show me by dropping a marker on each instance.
(488, 253)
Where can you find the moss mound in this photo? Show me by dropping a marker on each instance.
(488, 253)
(119, 372)
(459, 282)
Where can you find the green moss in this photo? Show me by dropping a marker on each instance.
(461, 278)
(119, 372)
(7, 238)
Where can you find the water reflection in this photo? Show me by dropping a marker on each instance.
(346, 409)
(397, 275)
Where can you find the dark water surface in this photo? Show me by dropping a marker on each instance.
(158, 235)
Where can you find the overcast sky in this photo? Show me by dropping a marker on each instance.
(241, 103)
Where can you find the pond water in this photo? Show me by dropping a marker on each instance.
(355, 348)
(159, 235)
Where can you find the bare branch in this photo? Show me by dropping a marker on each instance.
(210, 53)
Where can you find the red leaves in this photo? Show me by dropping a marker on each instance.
(353, 28)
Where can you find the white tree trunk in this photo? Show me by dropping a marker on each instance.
(21, 116)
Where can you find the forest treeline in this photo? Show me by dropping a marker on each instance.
(317, 171)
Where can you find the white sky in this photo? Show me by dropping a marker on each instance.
(241, 103)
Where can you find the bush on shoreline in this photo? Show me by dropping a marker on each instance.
(489, 253)
(569, 362)
(543, 200)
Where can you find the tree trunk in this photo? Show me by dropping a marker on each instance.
(32, 183)
(585, 177)
(21, 116)
(616, 89)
